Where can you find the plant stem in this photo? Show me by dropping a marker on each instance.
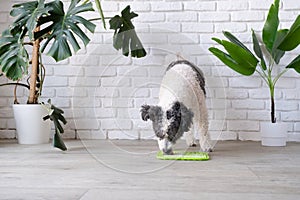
(34, 71)
(19, 84)
(273, 118)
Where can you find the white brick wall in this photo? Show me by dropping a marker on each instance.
(101, 91)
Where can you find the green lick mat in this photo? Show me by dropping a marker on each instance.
(193, 156)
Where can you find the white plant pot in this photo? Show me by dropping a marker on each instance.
(273, 134)
(31, 128)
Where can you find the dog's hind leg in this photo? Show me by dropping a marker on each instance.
(190, 138)
(203, 124)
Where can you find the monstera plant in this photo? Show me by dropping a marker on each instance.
(266, 54)
(50, 29)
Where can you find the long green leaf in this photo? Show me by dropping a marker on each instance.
(292, 39)
(99, 7)
(243, 69)
(295, 64)
(258, 51)
(271, 26)
(234, 40)
(277, 54)
(239, 54)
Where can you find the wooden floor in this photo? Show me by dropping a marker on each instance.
(120, 169)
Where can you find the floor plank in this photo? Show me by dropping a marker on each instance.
(124, 169)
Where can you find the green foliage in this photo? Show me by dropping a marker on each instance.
(292, 38)
(60, 30)
(295, 64)
(239, 58)
(27, 14)
(63, 26)
(258, 51)
(56, 116)
(125, 37)
(99, 8)
(60, 33)
(271, 26)
(14, 58)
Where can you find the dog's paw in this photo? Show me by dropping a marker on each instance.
(206, 147)
(193, 145)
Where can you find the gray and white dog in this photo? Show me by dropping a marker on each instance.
(181, 109)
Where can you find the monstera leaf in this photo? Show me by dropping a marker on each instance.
(63, 28)
(28, 14)
(125, 37)
(14, 58)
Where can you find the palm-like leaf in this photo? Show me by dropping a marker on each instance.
(234, 40)
(14, 58)
(295, 64)
(125, 37)
(230, 62)
(277, 54)
(258, 51)
(292, 38)
(238, 57)
(63, 28)
(271, 26)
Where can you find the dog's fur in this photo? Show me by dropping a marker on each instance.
(182, 108)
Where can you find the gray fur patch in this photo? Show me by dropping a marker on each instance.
(180, 118)
(155, 114)
(199, 73)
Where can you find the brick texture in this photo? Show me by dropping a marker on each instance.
(102, 91)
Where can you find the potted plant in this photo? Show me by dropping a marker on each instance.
(265, 59)
(46, 27)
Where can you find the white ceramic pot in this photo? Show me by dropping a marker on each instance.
(31, 128)
(273, 134)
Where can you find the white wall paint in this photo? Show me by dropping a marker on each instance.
(101, 91)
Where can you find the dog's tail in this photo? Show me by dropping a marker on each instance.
(199, 73)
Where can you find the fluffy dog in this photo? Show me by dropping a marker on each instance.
(181, 109)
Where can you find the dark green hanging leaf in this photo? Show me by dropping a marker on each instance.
(125, 37)
(14, 58)
(58, 141)
(271, 26)
(258, 51)
(56, 115)
(292, 39)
